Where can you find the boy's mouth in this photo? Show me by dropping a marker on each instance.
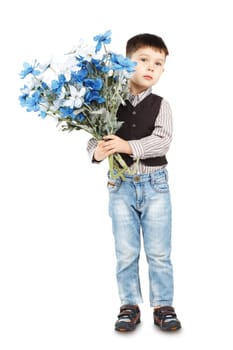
(147, 77)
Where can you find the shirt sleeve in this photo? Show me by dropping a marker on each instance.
(158, 143)
(91, 146)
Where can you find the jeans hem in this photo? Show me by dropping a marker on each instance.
(161, 303)
(132, 302)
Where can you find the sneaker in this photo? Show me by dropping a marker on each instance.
(165, 317)
(128, 318)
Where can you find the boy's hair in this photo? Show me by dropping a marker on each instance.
(141, 40)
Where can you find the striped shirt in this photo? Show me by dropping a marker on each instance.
(155, 145)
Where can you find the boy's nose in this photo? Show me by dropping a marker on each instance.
(150, 66)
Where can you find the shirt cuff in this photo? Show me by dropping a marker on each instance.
(137, 149)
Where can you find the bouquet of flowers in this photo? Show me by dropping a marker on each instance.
(82, 93)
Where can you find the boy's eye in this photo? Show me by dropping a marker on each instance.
(144, 59)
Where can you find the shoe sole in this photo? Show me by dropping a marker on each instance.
(130, 329)
(172, 328)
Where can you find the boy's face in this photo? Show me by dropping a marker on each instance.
(150, 66)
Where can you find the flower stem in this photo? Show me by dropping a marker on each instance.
(117, 166)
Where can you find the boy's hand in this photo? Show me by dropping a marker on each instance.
(114, 144)
(111, 144)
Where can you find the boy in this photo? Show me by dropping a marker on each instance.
(141, 202)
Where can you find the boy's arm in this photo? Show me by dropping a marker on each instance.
(158, 143)
(99, 150)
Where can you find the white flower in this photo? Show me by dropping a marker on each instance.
(83, 50)
(44, 66)
(70, 64)
(76, 97)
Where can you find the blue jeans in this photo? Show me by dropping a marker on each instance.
(140, 206)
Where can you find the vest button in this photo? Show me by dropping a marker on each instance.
(134, 125)
(134, 112)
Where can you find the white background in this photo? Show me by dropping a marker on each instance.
(57, 260)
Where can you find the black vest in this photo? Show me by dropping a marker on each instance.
(139, 122)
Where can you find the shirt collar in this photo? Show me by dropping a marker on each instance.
(135, 99)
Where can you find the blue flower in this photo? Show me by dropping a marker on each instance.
(23, 100)
(33, 102)
(100, 65)
(78, 77)
(29, 69)
(44, 86)
(102, 39)
(93, 95)
(66, 112)
(95, 84)
(121, 62)
(42, 114)
(56, 85)
(80, 117)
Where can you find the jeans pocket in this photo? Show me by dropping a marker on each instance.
(113, 185)
(160, 182)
